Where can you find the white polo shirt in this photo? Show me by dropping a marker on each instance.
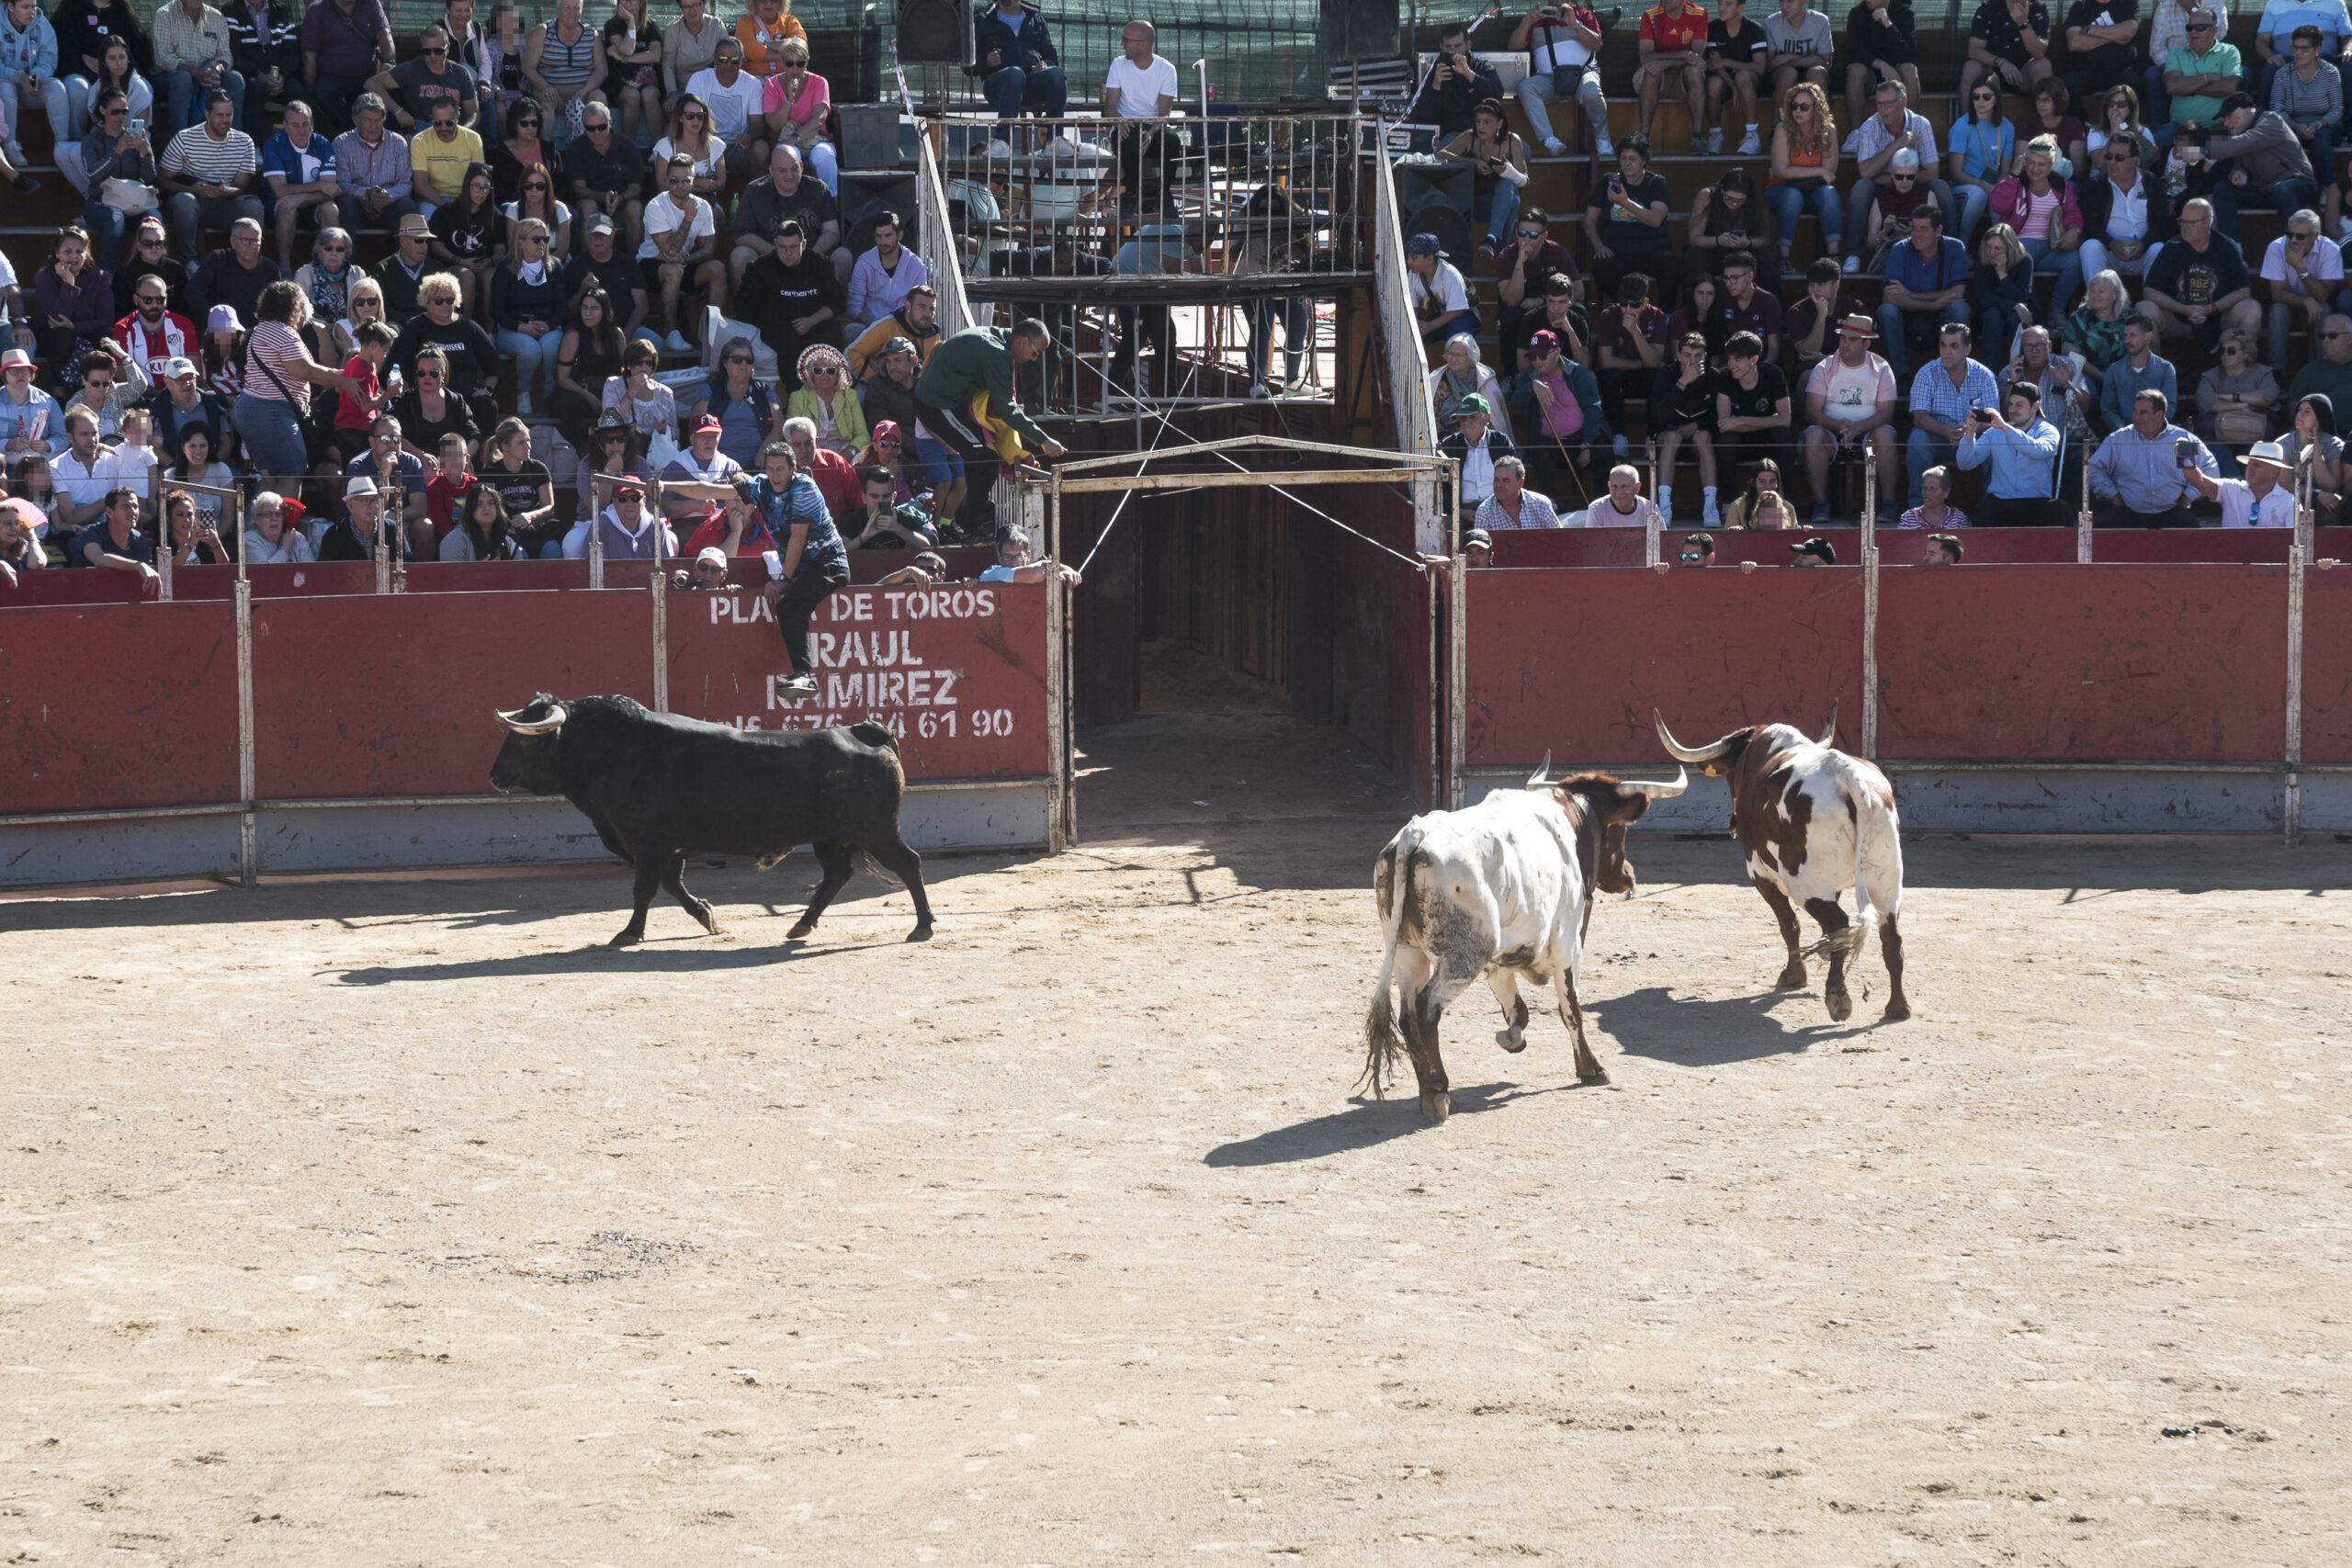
(1141, 86)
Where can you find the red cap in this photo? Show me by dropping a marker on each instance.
(707, 422)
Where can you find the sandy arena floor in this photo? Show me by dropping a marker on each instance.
(399, 1222)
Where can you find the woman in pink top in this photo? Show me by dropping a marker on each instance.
(2041, 208)
(799, 103)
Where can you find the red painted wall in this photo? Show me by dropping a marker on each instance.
(118, 707)
(2327, 666)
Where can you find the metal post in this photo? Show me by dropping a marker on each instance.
(1457, 683)
(1870, 607)
(1058, 781)
(2290, 803)
(1650, 525)
(2082, 519)
(164, 552)
(595, 545)
(248, 872)
(381, 558)
(1437, 702)
(660, 584)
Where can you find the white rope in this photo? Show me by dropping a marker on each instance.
(1125, 496)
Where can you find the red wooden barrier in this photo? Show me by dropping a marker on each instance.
(956, 672)
(391, 694)
(2156, 663)
(1572, 662)
(118, 706)
(1903, 546)
(2327, 666)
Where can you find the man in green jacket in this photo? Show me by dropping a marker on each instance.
(976, 360)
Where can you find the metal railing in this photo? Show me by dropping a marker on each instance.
(1194, 235)
(1409, 387)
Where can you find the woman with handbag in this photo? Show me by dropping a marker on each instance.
(278, 376)
(119, 171)
(2236, 400)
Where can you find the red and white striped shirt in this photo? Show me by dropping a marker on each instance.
(176, 339)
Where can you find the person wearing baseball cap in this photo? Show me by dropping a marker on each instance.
(1849, 401)
(178, 399)
(701, 479)
(628, 531)
(1815, 551)
(1475, 444)
(1440, 299)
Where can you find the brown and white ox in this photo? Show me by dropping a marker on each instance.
(1499, 892)
(1814, 821)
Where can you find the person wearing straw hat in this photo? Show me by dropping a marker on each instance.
(2261, 499)
(356, 537)
(1850, 401)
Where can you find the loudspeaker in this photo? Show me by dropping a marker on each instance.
(1359, 29)
(1436, 200)
(872, 137)
(864, 198)
(935, 32)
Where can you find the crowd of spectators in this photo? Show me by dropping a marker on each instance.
(616, 291)
(2035, 266)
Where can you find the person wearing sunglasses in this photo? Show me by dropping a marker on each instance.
(2126, 215)
(112, 153)
(519, 146)
(411, 87)
(796, 105)
(2200, 73)
(607, 171)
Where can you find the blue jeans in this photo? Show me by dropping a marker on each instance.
(273, 437)
(1973, 201)
(1297, 317)
(1893, 324)
(181, 95)
(1506, 213)
(105, 225)
(2067, 265)
(534, 359)
(1788, 204)
(1013, 88)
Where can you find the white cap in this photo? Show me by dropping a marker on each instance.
(711, 553)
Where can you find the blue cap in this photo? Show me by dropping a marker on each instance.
(1423, 245)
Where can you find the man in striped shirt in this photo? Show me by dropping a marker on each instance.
(209, 170)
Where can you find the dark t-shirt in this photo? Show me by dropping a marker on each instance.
(519, 490)
(647, 37)
(2198, 278)
(621, 167)
(471, 237)
(1760, 315)
(140, 548)
(619, 277)
(2000, 35)
(1771, 386)
(1747, 47)
(2103, 59)
(472, 354)
(1695, 405)
(1896, 41)
(419, 88)
(1626, 233)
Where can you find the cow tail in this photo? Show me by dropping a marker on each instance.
(1871, 820)
(1384, 1051)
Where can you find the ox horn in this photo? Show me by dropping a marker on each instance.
(1536, 779)
(548, 726)
(1678, 752)
(1829, 731)
(1659, 789)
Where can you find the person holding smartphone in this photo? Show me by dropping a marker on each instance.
(1458, 82)
(1563, 41)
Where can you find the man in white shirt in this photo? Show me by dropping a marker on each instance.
(699, 475)
(1139, 85)
(1513, 505)
(738, 101)
(1622, 507)
(1563, 38)
(1441, 301)
(680, 254)
(1891, 130)
(85, 471)
(1849, 403)
(2261, 499)
(2303, 273)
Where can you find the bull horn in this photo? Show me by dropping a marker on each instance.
(1678, 752)
(1829, 731)
(1535, 780)
(1660, 789)
(548, 726)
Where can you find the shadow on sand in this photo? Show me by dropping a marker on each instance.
(1365, 1125)
(694, 954)
(1697, 1032)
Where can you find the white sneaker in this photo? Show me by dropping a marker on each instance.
(795, 686)
(1853, 263)
(523, 408)
(1712, 515)
(1001, 150)
(1259, 389)
(1748, 145)
(1666, 503)
(1716, 143)
(1604, 148)
(1553, 147)
(1618, 446)
(676, 344)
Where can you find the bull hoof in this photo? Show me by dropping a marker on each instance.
(1436, 1107)
(626, 939)
(921, 934)
(799, 930)
(1897, 1010)
(1793, 978)
(1598, 1075)
(1511, 1040)
(1841, 1006)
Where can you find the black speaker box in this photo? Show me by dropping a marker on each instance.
(1359, 29)
(1448, 185)
(935, 32)
(872, 137)
(864, 200)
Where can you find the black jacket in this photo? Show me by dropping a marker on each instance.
(1447, 106)
(2096, 198)
(1029, 45)
(222, 279)
(342, 542)
(282, 58)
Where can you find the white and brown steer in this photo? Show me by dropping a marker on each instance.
(1499, 892)
(1814, 821)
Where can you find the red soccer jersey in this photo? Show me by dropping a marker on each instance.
(1673, 35)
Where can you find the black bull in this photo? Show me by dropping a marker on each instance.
(660, 788)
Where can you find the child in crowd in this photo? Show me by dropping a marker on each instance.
(353, 415)
(448, 488)
(139, 447)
